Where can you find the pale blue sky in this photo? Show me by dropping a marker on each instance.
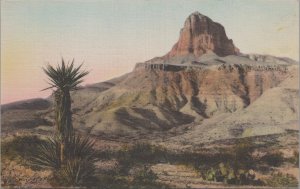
(111, 36)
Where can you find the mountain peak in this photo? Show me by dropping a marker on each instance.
(201, 34)
(196, 13)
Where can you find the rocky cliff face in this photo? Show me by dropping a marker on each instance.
(161, 100)
(199, 35)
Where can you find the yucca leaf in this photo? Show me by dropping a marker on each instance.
(64, 76)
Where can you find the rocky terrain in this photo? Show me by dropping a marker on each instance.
(204, 92)
(199, 35)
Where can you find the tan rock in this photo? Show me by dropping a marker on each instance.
(199, 35)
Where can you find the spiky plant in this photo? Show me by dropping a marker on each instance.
(80, 148)
(78, 165)
(47, 154)
(76, 172)
(70, 156)
(63, 79)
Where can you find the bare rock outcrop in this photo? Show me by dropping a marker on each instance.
(199, 35)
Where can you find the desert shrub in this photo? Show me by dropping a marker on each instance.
(20, 147)
(145, 175)
(282, 180)
(242, 152)
(294, 159)
(78, 165)
(273, 158)
(210, 175)
(142, 151)
(226, 174)
(106, 154)
(139, 153)
(146, 152)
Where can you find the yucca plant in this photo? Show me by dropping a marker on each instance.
(76, 172)
(78, 165)
(80, 148)
(70, 156)
(63, 79)
(47, 154)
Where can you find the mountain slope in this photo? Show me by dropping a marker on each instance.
(276, 111)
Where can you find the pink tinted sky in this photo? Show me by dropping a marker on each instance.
(111, 36)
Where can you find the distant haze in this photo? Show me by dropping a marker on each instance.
(111, 36)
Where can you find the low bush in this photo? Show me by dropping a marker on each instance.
(282, 180)
(242, 152)
(140, 153)
(273, 158)
(20, 148)
(145, 152)
(226, 174)
(145, 175)
(294, 159)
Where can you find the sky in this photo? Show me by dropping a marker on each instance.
(111, 36)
